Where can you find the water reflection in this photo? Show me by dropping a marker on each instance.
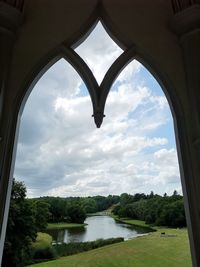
(97, 227)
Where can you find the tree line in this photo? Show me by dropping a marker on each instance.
(75, 209)
(29, 216)
(153, 209)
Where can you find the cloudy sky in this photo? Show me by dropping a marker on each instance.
(62, 153)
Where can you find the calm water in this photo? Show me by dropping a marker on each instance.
(97, 227)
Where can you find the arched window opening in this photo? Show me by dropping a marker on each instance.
(61, 154)
(137, 129)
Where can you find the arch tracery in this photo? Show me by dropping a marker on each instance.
(98, 93)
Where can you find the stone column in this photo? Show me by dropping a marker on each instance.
(10, 19)
(186, 24)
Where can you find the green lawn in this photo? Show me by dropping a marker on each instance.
(52, 226)
(150, 250)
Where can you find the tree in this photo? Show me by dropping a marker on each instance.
(57, 209)
(175, 193)
(151, 194)
(42, 215)
(173, 215)
(89, 205)
(21, 228)
(76, 214)
(126, 199)
(153, 209)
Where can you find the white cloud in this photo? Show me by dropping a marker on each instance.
(103, 49)
(127, 75)
(60, 152)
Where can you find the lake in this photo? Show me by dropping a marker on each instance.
(97, 227)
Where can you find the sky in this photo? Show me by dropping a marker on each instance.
(60, 151)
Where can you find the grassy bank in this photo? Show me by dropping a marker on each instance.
(136, 223)
(153, 250)
(52, 226)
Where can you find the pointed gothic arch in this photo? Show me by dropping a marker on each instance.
(172, 60)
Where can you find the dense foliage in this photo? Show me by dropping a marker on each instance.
(21, 216)
(43, 250)
(44, 253)
(27, 217)
(75, 209)
(153, 209)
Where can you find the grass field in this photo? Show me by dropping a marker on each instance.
(152, 250)
(52, 226)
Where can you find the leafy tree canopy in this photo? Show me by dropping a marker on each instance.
(21, 228)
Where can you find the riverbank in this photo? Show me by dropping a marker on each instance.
(153, 250)
(137, 223)
(60, 226)
(98, 227)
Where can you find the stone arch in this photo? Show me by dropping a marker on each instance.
(65, 50)
(98, 93)
(171, 62)
(47, 62)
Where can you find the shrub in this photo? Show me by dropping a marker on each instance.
(42, 249)
(41, 254)
(77, 247)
